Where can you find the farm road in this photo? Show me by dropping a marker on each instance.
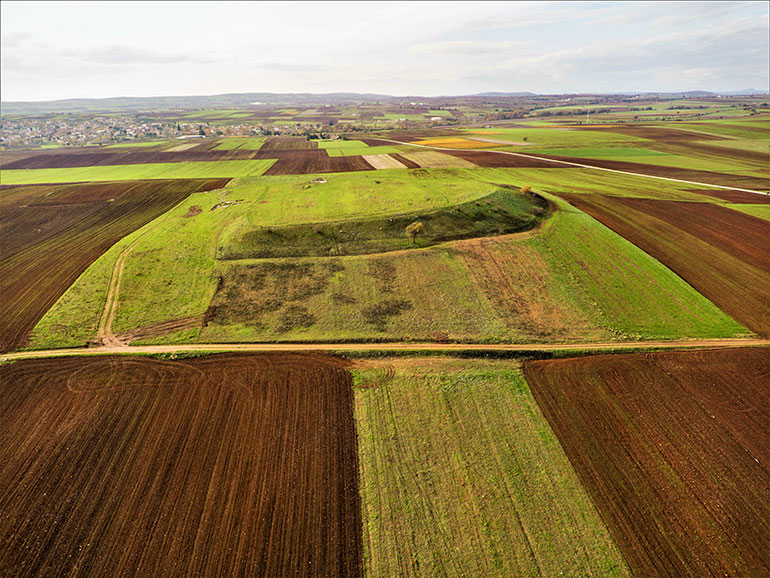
(448, 347)
(580, 165)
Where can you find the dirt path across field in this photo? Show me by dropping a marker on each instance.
(448, 347)
(580, 165)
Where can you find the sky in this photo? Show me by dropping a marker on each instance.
(64, 50)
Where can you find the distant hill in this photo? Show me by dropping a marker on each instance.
(134, 104)
(501, 94)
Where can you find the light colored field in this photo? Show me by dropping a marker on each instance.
(455, 143)
(435, 159)
(206, 169)
(462, 476)
(383, 161)
(182, 147)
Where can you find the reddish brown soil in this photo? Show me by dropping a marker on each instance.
(315, 161)
(405, 161)
(413, 135)
(674, 450)
(724, 254)
(735, 196)
(659, 134)
(493, 159)
(288, 143)
(227, 465)
(137, 157)
(48, 240)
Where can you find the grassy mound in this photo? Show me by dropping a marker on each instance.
(503, 211)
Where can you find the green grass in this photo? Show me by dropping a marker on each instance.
(439, 113)
(631, 294)
(599, 152)
(196, 170)
(364, 150)
(399, 116)
(761, 211)
(340, 143)
(574, 273)
(461, 475)
(556, 137)
(503, 211)
(249, 144)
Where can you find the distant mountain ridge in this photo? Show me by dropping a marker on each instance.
(233, 100)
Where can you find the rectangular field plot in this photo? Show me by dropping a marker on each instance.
(230, 465)
(674, 450)
(724, 254)
(461, 476)
(190, 170)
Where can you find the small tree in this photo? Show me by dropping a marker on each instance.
(413, 230)
(526, 189)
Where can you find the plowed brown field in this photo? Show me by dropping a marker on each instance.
(674, 449)
(288, 143)
(230, 465)
(49, 235)
(138, 157)
(735, 196)
(724, 254)
(314, 161)
(405, 161)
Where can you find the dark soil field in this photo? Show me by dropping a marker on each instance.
(313, 161)
(724, 254)
(405, 161)
(51, 234)
(674, 450)
(228, 465)
(735, 196)
(133, 158)
(288, 143)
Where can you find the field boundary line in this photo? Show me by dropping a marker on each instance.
(395, 346)
(580, 165)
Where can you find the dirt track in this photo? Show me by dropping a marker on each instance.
(449, 347)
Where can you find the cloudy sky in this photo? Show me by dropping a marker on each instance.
(102, 49)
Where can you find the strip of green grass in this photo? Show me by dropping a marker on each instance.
(138, 144)
(364, 150)
(461, 475)
(196, 170)
(556, 137)
(250, 144)
(761, 211)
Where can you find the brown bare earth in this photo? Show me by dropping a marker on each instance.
(303, 162)
(405, 161)
(724, 254)
(137, 157)
(51, 234)
(674, 449)
(735, 196)
(288, 143)
(227, 465)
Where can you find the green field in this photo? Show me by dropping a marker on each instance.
(461, 475)
(571, 280)
(556, 137)
(196, 170)
(347, 148)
